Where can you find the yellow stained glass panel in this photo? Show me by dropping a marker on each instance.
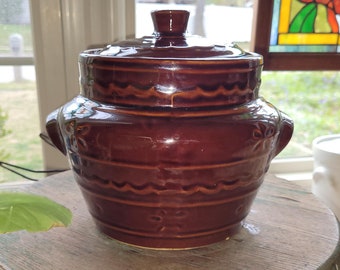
(312, 39)
(284, 16)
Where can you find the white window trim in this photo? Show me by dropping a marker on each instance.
(16, 60)
(61, 29)
(293, 168)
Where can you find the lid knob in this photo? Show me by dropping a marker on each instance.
(170, 22)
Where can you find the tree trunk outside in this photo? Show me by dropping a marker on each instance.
(199, 18)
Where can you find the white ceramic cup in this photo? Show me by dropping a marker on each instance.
(326, 174)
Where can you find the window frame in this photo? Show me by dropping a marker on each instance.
(260, 40)
(16, 61)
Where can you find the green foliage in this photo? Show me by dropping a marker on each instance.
(21, 211)
(3, 132)
(3, 118)
(311, 99)
(23, 144)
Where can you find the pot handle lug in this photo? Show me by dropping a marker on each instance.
(286, 132)
(54, 136)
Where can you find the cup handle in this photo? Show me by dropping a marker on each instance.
(320, 173)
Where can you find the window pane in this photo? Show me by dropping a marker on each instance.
(312, 101)
(18, 95)
(15, 29)
(214, 19)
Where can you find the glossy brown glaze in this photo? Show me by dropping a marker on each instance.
(169, 152)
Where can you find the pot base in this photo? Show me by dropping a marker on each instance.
(172, 221)
(159, 243)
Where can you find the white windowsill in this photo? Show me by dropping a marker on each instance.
(299, 170)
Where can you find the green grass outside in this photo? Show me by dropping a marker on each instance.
(312, 99)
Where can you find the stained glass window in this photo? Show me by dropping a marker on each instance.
(297, 34)
(305, 26)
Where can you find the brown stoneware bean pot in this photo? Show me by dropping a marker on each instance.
(168, 139)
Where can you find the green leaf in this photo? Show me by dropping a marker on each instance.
(304, 20)
(33, 213)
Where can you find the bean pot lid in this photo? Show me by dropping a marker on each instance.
(170, 69)
(171, 42)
